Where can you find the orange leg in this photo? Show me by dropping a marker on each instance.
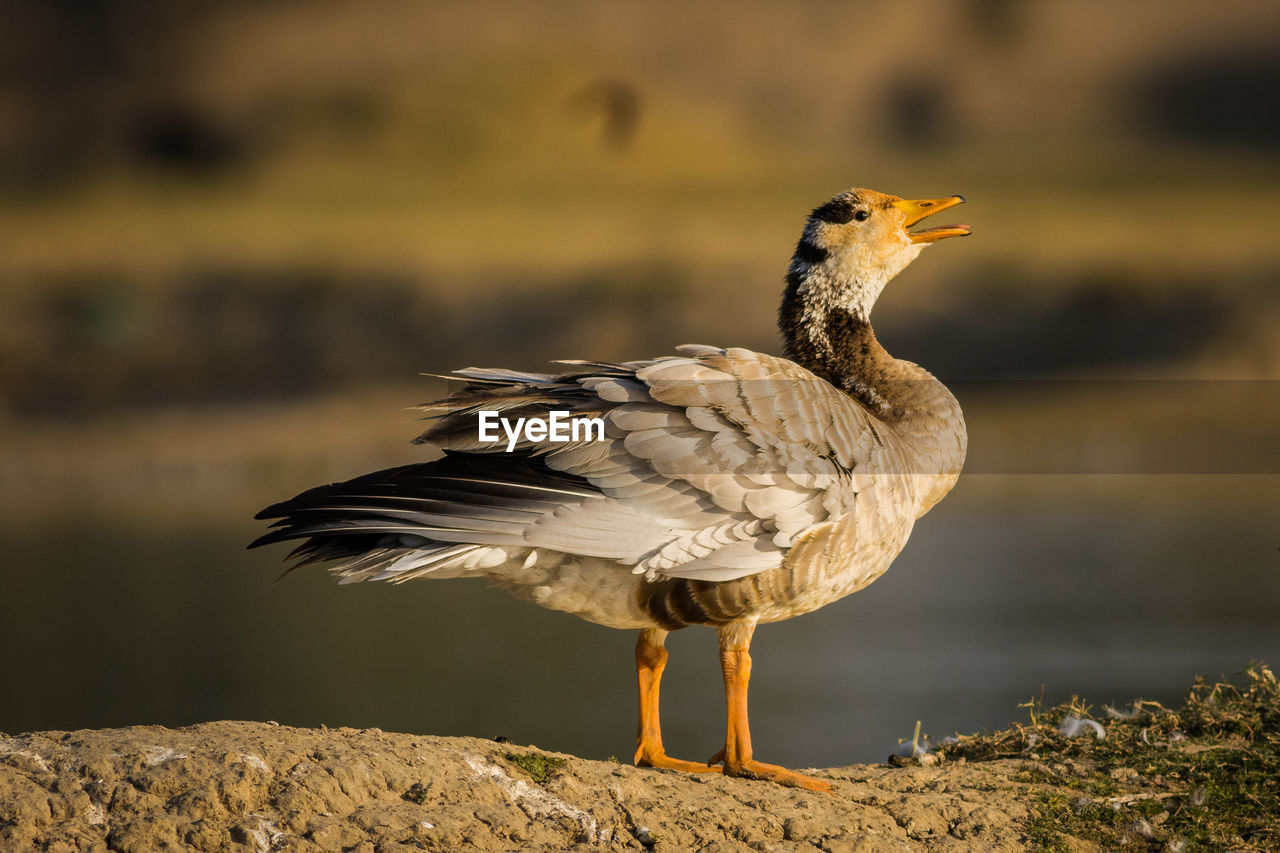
(651, 659)
(737, 754)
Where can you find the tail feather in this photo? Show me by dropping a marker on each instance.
(414, 519)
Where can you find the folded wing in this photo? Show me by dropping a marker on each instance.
(713, 463)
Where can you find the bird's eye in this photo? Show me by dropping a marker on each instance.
(861, 215)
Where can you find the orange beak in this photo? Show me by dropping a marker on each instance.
(913, 210)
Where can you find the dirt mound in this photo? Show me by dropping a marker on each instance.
(1204, 777)
(247, 786)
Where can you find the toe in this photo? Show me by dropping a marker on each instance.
(662, 761)
(781, 775)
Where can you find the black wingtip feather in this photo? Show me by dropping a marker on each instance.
(346, 519)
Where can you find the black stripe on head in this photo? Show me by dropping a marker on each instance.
(809, 252)
(838, 211)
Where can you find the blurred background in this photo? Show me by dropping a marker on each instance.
(233, 233)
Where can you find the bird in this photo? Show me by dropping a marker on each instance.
(721, 487)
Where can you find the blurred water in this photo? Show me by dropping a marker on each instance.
(988, 605)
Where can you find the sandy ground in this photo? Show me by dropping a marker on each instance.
(246, 786)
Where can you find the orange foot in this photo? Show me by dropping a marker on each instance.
(659, 759)
(752, 769)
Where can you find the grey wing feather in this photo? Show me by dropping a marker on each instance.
(713, 462)
(729, 441)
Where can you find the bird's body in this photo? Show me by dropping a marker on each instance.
(729, 488)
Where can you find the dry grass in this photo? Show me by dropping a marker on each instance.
(1203, 777)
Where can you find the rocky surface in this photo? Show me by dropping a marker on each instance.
(245, 786)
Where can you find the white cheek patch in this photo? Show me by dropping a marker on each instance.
(858, 266)
(866, 275)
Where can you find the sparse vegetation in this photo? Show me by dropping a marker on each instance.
(417, 793)
(1202, 777)
(538, 766)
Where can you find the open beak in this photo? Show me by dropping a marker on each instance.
(913, 210)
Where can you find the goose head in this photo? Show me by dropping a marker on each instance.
(859, 240)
